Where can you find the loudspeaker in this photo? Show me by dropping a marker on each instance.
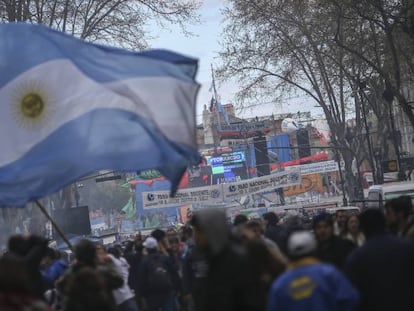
(302, 137)
(262, 156)
(73, 220)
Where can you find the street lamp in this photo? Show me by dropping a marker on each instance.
(388, 95)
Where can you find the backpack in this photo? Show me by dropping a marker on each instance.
(159, 278)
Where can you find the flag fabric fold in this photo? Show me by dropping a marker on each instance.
(215, 104)
(223, 111)
(212, 104)
(69, 108)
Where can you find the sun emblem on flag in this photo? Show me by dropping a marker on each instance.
(32, 105)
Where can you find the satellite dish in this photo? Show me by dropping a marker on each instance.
(289, 126)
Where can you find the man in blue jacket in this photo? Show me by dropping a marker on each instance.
(55, 267)
(309, 284)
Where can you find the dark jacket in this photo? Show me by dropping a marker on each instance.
(31, 253)
(195, 269)
(278, 234)
(144, 271)
(228, 287)
(134, 261)
(335, 251)
(383, 272)
(111, 281)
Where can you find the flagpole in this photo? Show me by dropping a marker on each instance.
(54, 224)
(215, 95)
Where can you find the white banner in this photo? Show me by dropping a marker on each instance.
(222, 192)
(315, 168)
(262, 184)
(157, 199)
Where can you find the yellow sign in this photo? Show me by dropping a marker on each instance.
(392, 166)
(301, 288)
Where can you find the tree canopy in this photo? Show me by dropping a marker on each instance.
(118, 22)
(342, 55)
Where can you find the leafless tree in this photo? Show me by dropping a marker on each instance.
(118, 22)
(388, 41)
(284, 47)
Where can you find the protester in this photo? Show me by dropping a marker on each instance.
(382, 269)
(54, 267)
(331, 248)
(254, 230)
(277, 233)
(176, 253)
(187, 237)
(236, 231)
(227, 287)
(263, 269)
(158, 280)
(86, 258)
(309, 284)
(240, 219)
(87, 291)
(124, 297)
(352, 231)
(340, 222)
(30, 249)
(195, 268)
(18, 290)
(162, 241)
(133, 255)
(399, 216)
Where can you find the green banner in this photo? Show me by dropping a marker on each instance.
(149, 174)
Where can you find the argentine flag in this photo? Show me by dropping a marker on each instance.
(69, 108)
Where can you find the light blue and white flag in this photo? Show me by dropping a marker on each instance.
(68, 108)
(223, 111)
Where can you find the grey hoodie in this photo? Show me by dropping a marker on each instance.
(213, 223)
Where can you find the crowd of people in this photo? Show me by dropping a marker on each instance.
(345, 262)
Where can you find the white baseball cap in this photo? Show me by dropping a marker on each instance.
(150, 243)
(301, 243)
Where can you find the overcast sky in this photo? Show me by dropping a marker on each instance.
(205, 45)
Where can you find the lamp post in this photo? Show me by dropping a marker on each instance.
(388, 95)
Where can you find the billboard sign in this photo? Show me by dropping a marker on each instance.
(220, 193)
(208, 194)
(261, 184)
(228, 167)
(310, 182)
(314, 168)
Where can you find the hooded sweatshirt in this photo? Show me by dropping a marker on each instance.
(228, 287)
